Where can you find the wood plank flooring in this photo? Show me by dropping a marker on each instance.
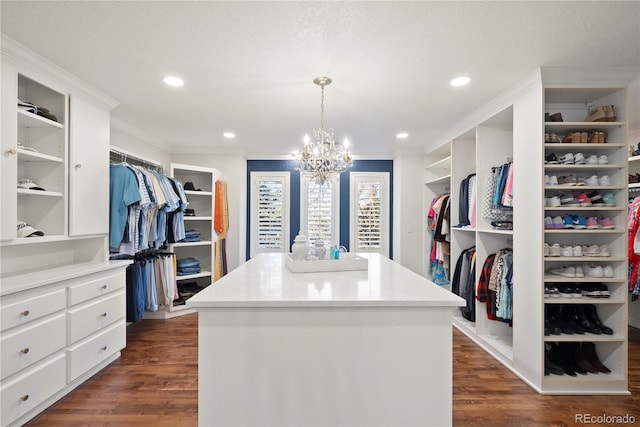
(155, 383)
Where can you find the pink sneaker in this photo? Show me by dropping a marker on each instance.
(606, 223)
(592, 223)
(583, 199)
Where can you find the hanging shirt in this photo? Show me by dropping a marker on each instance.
(123, 192)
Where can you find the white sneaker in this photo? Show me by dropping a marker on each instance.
(577, 250)
(592, 160)
(594, 271)
(557, 222)
(592, 181)
(566, 159)
(579, 271)
(579, 159)
(591, 250)
(603, 160)
(604, 180)
(545, 250)
(564, 271)
(553, 180)
(555, 250)
(604, 250)
(608, 271)
(566, 251)
(552, 202)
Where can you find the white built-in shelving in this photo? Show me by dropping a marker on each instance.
(512, 127)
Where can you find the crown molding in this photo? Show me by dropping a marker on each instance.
(23, 56)
(574, 77)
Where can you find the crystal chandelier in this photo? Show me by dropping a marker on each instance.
(322, 159)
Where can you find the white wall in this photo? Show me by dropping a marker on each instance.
(408, 211)
(126, 140)
(234, 169)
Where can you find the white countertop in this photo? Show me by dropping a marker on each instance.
(265, 281)
(39, 277)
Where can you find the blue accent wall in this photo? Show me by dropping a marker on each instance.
(294, 219)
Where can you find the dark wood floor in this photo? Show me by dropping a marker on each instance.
(155, 383)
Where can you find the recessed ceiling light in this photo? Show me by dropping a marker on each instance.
(402, 135)
(460, 81)
(229, 135)
(174, 81)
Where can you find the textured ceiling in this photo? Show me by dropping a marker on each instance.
(249, 66)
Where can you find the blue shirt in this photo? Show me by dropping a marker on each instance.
(123, 192)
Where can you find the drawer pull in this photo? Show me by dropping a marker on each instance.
(24, 313)
(104, 314)
(24, 350)
(103, 287)
(25, 398)
(104, 348)
(11, 151)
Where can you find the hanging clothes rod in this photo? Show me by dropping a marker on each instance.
(117, 155)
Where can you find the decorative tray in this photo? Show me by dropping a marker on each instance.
(347, 262)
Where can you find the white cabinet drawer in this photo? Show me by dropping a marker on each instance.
(92, 317)
(88, 354)
(96, 287)
(31, 343)
(22, 394)
(30, 309)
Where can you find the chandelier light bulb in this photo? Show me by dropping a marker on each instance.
(345, 143)
(306, 139)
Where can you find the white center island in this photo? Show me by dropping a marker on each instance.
(352, 348)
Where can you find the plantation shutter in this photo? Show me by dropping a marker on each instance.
(320, 212)
(270, 213)
(369, 212)
(369, 222)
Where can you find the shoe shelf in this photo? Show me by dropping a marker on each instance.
(583, 337)
(583, 167)
(611, 349)
(564, 127)
(574, 231)
(583, 300)
(573, 146)
(585, 208)
(552, 278)
(583, 258)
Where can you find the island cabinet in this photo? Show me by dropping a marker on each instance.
(368, 347)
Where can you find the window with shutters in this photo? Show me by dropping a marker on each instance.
(319, 211)
(269, 212)
(369, 212)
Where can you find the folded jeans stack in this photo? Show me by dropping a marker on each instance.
(188, 266)
(191, 236)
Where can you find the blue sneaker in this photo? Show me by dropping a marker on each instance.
(609, 200)
(568, 221)
(579, 221)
